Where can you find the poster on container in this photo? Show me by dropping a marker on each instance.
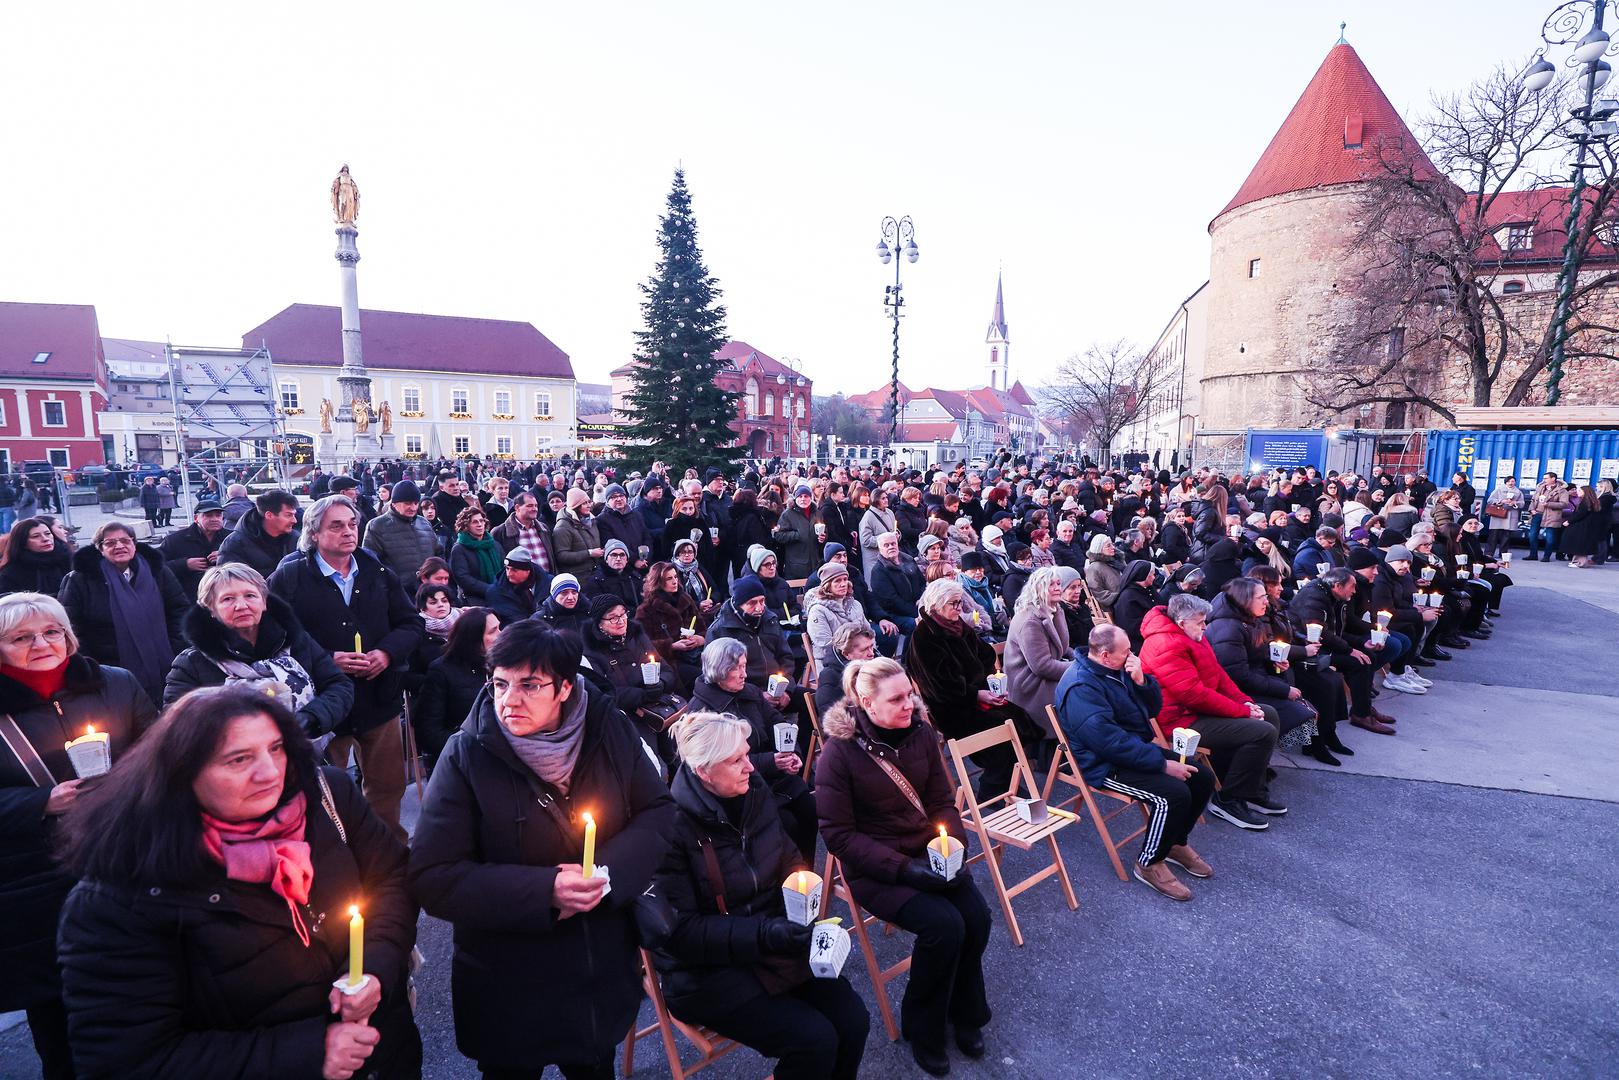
(1610, 468)
(1558, 467)
(1503, 469)
(1582, 471)
(1530, 476)
(1481, 472)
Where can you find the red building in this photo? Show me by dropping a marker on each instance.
(53, 383)
(773, 416)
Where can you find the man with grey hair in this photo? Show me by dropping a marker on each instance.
(237, 503)
(355, 607)
(1238, 732)
(896, 585)
(1105, 704)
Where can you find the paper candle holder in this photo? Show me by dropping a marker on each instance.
(786, 738)
(829, 948)
(1321, 568)
(649, 673)
(1312, 633)
(90, 754)
(342, 985)
(1032, 811)
(1379, 638)
(801, 893)
(1185, 742)
(997, 683)
(1278, 651)
(777, 684)
(947, 862)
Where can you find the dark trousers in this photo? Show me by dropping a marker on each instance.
(1240, 747)
(47, 1023)
(947, 963)
(817, 1030)
(1324, 689)
(1499, 583)
(1289, 712)
(600, 1071)
(1174, 805)
(1358, 677)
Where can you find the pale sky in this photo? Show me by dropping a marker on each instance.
(170, 162)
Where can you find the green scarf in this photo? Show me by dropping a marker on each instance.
(488, 552)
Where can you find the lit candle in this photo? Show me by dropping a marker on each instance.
(1383, 619)
(942, 844)
(590, 846)
(91, 753)
(357, 647)
(693, 626)
(356, 945)
(801, 882)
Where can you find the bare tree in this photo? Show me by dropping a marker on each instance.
(1103, 390)
(1431, 247)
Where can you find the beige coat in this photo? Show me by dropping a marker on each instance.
(1037, 657)
(1550, 502)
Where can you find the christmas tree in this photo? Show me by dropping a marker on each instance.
(675, 410)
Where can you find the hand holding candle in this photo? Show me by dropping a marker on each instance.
(357, 646)
(356, 946)
(90, 754)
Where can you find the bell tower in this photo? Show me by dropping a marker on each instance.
(999, 347)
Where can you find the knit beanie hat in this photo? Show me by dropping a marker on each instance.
(406, 491)
(613, 489)
(602, 604)
(614, 545)
(578, 497)
(972, 560)
(757, 554)
(830, 549)
(1360, 558)
(747, 588)
(925, 542)
(1399, 552)
(831, 571)
(562, 583)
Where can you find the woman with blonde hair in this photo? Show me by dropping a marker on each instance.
(882, 793)
(1038, 652)
(733, 961)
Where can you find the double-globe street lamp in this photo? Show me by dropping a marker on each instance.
(1578, 23)
(899, 238)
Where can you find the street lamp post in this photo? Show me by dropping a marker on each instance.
(1564, 26)
(899, 238)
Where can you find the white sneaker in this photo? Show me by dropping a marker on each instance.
(1404, 684)
(1420, 679)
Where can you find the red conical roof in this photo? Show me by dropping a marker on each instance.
(1337, 129)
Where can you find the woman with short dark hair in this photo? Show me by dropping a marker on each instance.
(453, 682)
(476, 559)
(499, 852)
(218, 865)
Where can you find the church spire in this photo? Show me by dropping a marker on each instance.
(998, 342)
(997, 321)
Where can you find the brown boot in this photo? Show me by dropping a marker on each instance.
(1372, 724)
(1160, 878)
(1383, 717)
(1184, 857)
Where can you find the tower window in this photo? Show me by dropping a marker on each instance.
(1253, 268)
(1519, 237)
(1512, 287)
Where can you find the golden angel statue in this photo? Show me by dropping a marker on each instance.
(385, 417)
(362, 416)
(345, 198)
(326, 415)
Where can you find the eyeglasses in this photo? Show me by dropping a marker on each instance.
(524, 688)
(26, 638)
(615, 618)
(117, 542)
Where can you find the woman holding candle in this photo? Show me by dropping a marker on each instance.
(238, 631)
(454, 681)
(218, 868)
(1241, 634)
(620, 651)
(735, 962)
(127, 607)
(724, 688)
(879, 829)
(49, 694)
(499, 853)
(672, 619)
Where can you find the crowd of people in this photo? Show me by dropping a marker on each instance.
(612, 687)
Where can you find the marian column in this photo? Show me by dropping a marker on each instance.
(351, 436)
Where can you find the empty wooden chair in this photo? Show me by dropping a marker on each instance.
(835, 885)
(998, 825)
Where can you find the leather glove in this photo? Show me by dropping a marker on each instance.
(784, 936)
(919, 875)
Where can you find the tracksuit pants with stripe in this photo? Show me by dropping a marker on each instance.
(1173, 805)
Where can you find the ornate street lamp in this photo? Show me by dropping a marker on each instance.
(899, 238)
(1578, 24)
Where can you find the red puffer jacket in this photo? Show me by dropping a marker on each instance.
(1193, 682)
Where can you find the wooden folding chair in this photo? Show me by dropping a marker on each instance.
(817, 736)
(413, 759)
(808, 678)
(1203, 756)
(1064, 768)
(710, 1045)
(834, 884)
(999, 828)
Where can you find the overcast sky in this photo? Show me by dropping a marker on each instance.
(170, 162)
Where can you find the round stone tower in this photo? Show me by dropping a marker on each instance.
(1282, 256)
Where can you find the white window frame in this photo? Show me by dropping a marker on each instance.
(405, 395)
(507, 407)
(413, 444)
(1254, 267)
(291, 396)
(462, 444)
(3, 415)
(466, 399)
(503, 444)
(770, 403)
(45, 413)
(543, 443)
(65, 463)
(542, 403)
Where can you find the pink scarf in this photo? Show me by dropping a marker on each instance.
(269, 852)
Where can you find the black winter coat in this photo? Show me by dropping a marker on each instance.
(558, 617)
(28, 571)
(279, 632)
(378, 611)
(895, 589)
(32, 887)
(619, 660)
(1242, 645)
(1130, 608)
(768, 652)
(1174, 543)
(624, 584)
(485, 857)
(912, 522)
(247, 543)
(89, 603)
(1314, 603)
(514, 603)
(189, 543)
(212, 980)
(746, 528)
(448, 693)
(628, 526)
(712, 956)
(749, 704)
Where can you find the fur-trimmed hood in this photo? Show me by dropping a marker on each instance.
(210, 637)
(88, 559)
(844, 719)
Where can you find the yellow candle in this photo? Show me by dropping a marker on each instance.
(801, 882)
(357, 642)
(942, 844)
(693, 626)
(356, 945)
(785, 612)
(590, 846)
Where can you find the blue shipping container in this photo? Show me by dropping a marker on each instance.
(1488, 457)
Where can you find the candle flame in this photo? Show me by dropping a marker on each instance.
(943, 835)
(588, 819)
(90, 729)
(354, 911)
(650, 658)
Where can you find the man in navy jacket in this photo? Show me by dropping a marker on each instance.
(1105, 704)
